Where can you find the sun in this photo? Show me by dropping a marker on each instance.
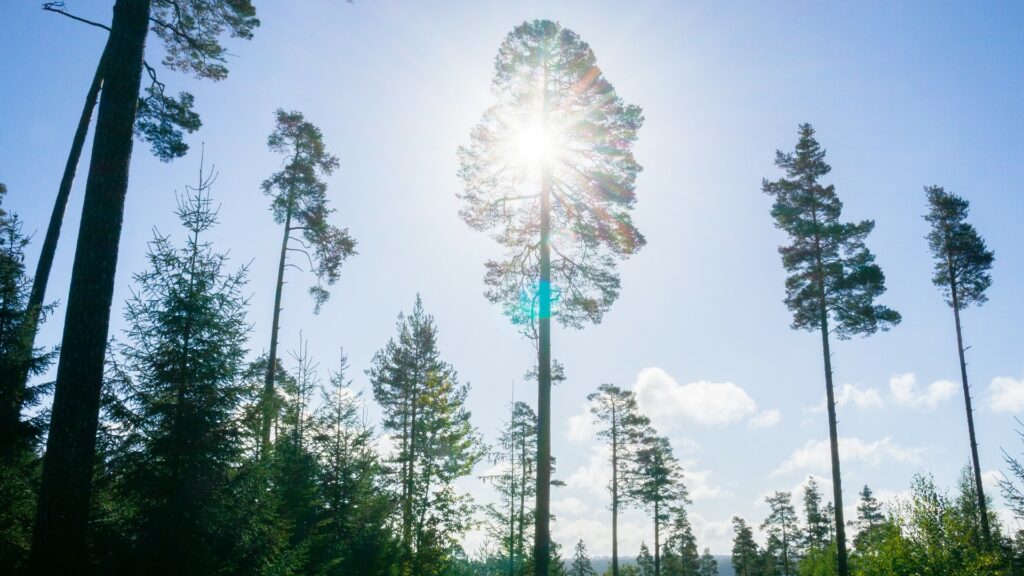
(533, 144)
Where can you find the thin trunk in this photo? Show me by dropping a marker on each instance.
(268, 379)
(410, 482)
(615, 492)
(657, 542)
(542, 543)
(833, 433)
(59, 543)
(37, 296)
(982, 508)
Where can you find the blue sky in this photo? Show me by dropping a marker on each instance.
(902, 94)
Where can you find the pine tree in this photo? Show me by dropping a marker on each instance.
(178, 371)
(624, 428)
(962, 264)
(516, 456)
(817, 526)
(550, 169)
(832, 275)
(708, 564)
(299, 203)
(581, 562)
(680, 556)
(656, 483)
(746, 555)
(423, 405)
(783, 532)
(190, 31)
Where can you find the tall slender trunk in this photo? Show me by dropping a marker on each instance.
(657, 541)
(34, 309)
(982, 505)
(833, 437)
(59, 544)
(615, 492)
(542, 543)
(268, 379)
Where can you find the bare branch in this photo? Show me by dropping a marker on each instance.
(58, 8)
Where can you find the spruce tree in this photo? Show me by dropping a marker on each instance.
(708, 564)
(833, 279)
(962, 265)
(680, 556)
(298, 196)
(783, 532)
(869, 517)
(550, 170)
(815, 522)
(644, 561)
(623, 427)
(178, 374)
(746, 555)
(190, 31)
(581, 565)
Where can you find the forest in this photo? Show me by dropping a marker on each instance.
(175, 431)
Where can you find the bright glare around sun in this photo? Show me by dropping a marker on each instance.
(534, 145)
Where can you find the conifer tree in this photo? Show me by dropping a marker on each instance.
(550, 170)
(783, 532)
(623, 427)
(746, 555)
(178, 375)
(644, 561)
(298, 196)
(816, 524)
(190, 31)
(962, 264)
(833, 279)
(354, 536)
(581, 565)
(869, 517)
(423, 405)
(656, 483)
(708, 564)
(680, 556)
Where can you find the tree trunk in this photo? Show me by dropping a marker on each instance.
(615, 492)
(37, 296)
(833, 436)
(59, 542)
(657, 541)
(268, 379)
(542, 544)
(982, 508)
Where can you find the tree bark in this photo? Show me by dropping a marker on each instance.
(59, 543)
(268, 379)
(657, 541)
(833, 436)
(542, 543)
(615, 492)
(982, 507)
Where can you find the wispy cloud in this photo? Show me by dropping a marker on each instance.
(1006, 394)
(816, 455)
(905, 393)
(663, 399)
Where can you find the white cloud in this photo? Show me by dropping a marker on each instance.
(816, 455)
(698, 483)
(665, 401)
(595, 475)
(569, 505)
(582, 427)
(765, 418)
(851, 394)
(905, 393)
(1006, 394)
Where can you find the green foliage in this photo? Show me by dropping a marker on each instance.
(783, 533)
(961, 257)
(298, 196)
(546, 79)
(746, 554)
(424, 411)
(817, 523)
(708, 564)
(644, 561)
(581, 562)
(831, 271)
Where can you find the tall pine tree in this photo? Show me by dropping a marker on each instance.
(833, 279)
(962, 264)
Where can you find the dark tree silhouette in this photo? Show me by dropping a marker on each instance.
(299, 203)
(549, 169)
(962, 264)
(832, 275)
(190, 30)
(656, 483)
(581, 561)
(783, 532)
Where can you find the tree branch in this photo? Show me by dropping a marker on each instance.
(58, 8)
